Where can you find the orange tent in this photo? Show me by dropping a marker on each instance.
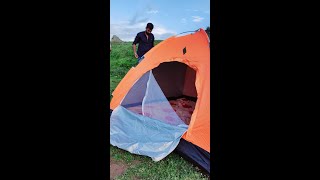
(192, 51)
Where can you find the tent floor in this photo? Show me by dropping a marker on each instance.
(182, 106)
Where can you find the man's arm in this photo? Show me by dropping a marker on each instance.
(134, 50)
(136, 40)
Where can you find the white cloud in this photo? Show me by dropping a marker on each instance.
(161, 31)
(127, 31)
(197, 18)
(152, 12)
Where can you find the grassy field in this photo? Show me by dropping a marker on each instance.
(135, 166)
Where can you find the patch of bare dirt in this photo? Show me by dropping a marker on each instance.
(117, 168)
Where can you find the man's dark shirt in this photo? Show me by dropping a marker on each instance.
(144, 44)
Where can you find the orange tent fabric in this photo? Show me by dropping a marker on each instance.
(197, 57)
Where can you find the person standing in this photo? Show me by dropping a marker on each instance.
(145, 39)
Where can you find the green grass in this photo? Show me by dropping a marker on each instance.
(121, 60)
(173, 166)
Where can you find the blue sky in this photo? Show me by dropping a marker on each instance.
(170, 17)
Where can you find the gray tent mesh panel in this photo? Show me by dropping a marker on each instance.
(146, 98)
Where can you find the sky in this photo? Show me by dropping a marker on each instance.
(169, 17)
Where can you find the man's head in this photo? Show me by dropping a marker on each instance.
(149, 28)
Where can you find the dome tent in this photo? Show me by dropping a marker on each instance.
(146, 118)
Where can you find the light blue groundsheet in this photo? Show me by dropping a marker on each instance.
(143, 135)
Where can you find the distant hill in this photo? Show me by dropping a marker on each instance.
(116, 39)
